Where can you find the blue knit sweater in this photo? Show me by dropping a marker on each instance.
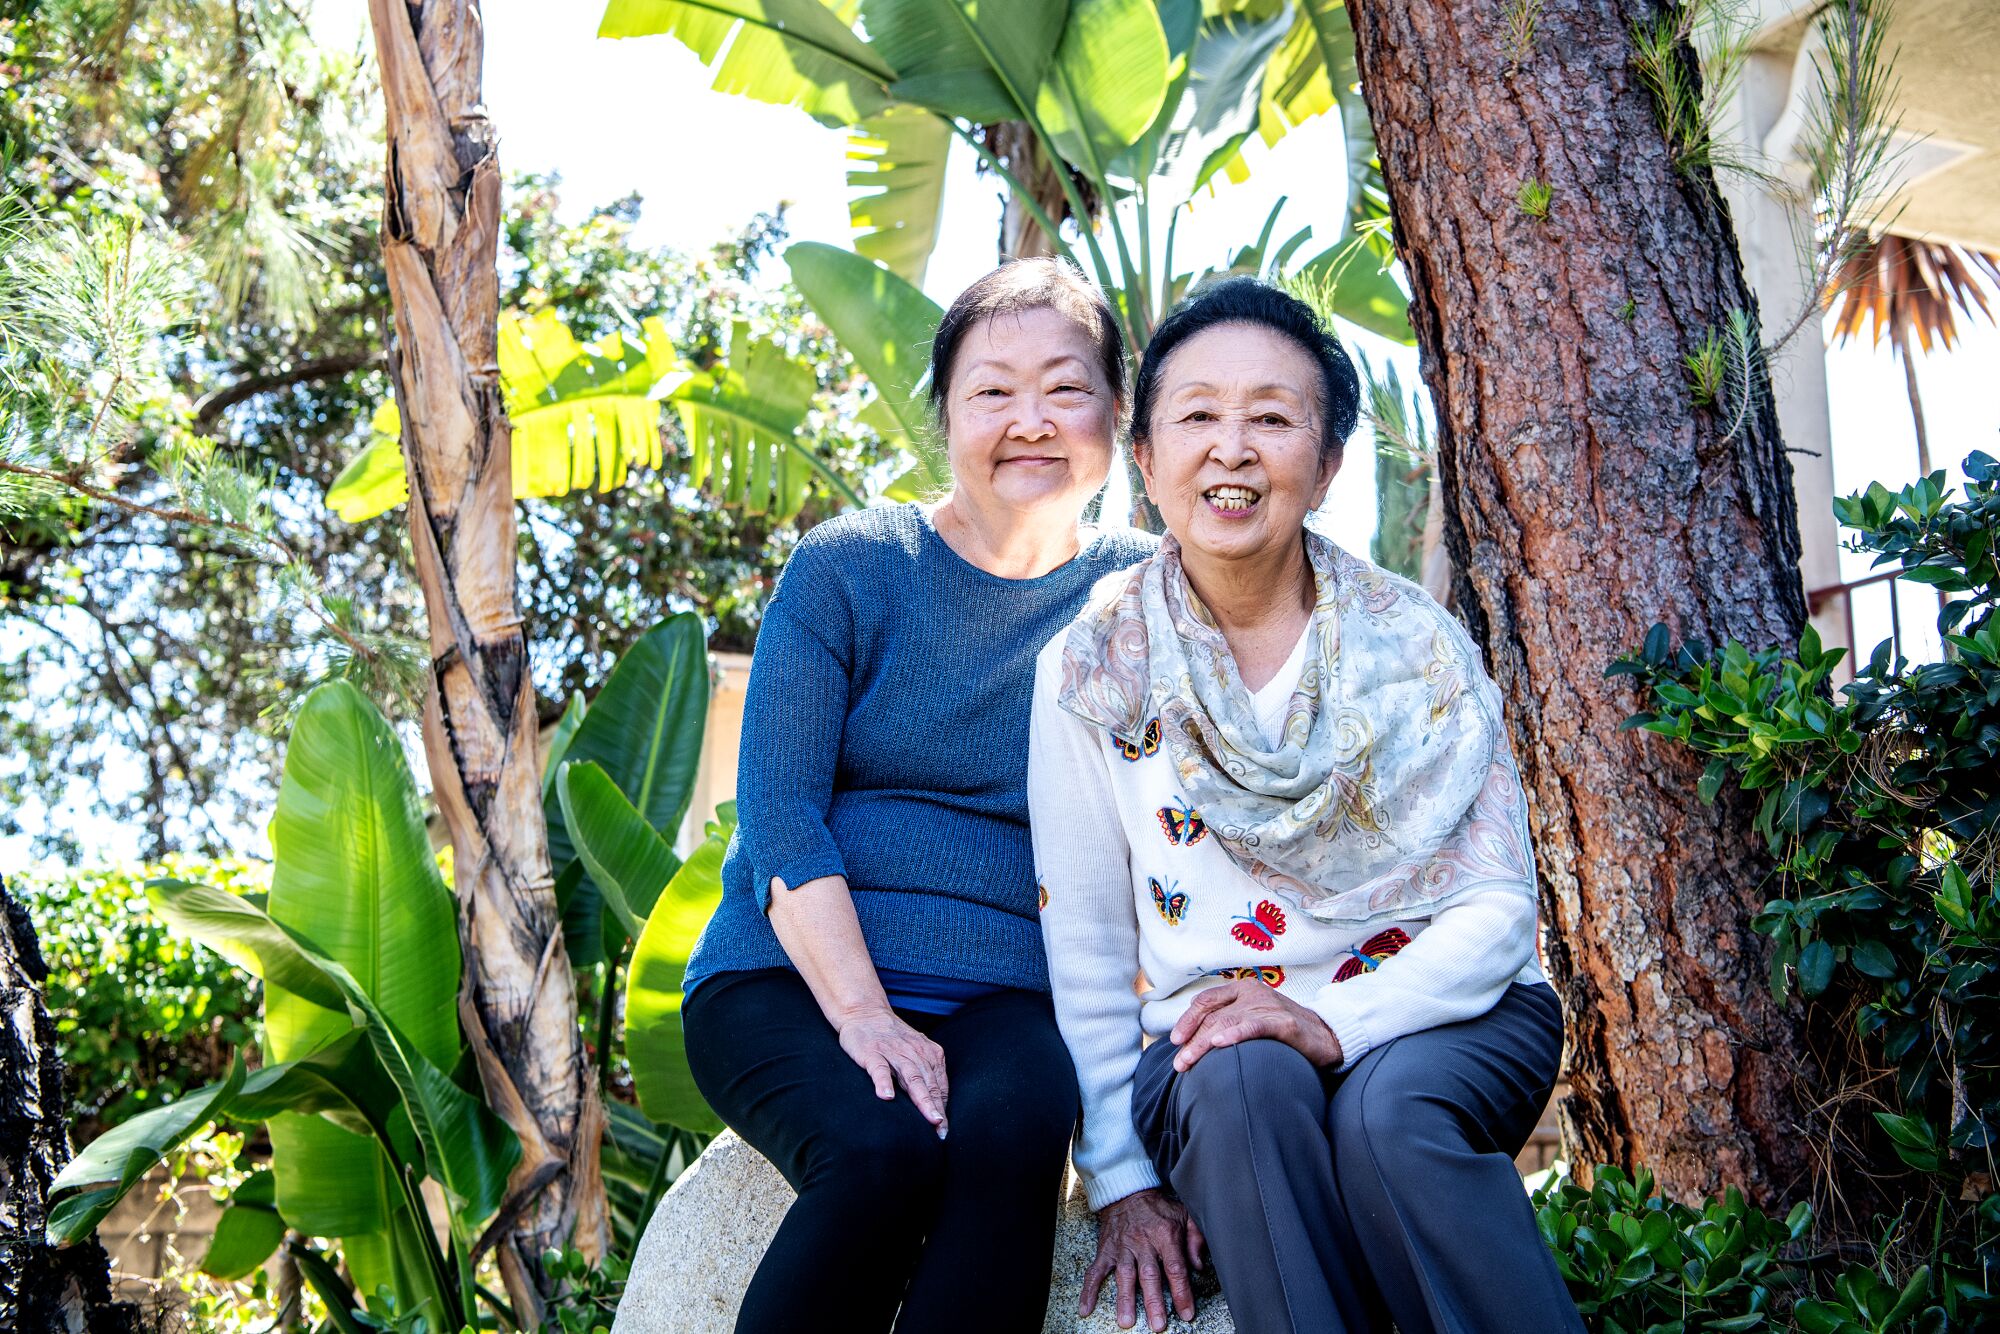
(885, 738)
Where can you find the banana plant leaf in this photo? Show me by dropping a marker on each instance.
(242, 932)
(802, 53)
(630, 860)
(1365, 289)
(973, 59)
(886, 325)
(1107, 83)
(559, 739)
(1180, 24)
(374, 480)
(248, 1232)
(355, 876)
(645, 730)
(582, 412)
(110, 1165)
(653, 1040)
(744, 421)
(1229, 64)
(897, 162)
(466, 1148)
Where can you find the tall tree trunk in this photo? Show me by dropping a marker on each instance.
(41, 1288)
(1021, 237)
(440, 233)
(1916, 411)
(1587, 498)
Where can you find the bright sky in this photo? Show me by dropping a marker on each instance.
(614, 117)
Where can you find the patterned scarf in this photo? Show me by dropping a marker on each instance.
(1392, 790)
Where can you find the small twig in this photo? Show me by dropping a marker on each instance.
(70, 481)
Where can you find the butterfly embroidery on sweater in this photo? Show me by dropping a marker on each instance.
(1147, 744)
(1272, 975)
(1260, 930)
(1368, 957)
(1182, 823)
(1171, 902)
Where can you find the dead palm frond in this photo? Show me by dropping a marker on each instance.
(1910, 290)
(1905, 288)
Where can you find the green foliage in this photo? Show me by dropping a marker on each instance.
(1524, 21)
(367, 1086)
(653, 989)
(1405, 468)
(643, 735)
(1882, 809)
(1114, 93)
(1690, 90)
(1635, 1261)
(141, 1016)
(1533, 199)
(1725, 371)
(589, 1300)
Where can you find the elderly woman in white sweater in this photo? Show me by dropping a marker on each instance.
(1281, 835)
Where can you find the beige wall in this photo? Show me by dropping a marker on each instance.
(715, 780)
(1770, 234)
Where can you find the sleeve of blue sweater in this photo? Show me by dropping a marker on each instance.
(794, 711)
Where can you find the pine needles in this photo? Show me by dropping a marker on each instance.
(1689, 91)
(1725, 371)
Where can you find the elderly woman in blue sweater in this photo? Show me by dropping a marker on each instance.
(1270, 782)
(869, 1006)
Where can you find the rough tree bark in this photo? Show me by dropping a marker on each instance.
(1587, 498)
(41, 1288)
(440, 233)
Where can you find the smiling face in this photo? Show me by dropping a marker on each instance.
(1029, 418)
(1232, 458)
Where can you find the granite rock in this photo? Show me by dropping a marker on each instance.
(711, 1229)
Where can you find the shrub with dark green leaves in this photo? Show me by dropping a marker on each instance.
(1637, 1263)
(141, 1015)
(1882, 808)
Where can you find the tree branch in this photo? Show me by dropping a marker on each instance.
(211, 406)
(195, 519)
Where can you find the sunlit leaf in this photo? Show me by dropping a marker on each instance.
(799, 53)
(897, 162)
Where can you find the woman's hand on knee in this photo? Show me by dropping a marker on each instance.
(894, 1053)
(1149, 1241)
(1240, 1011)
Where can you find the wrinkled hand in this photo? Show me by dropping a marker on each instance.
(1140, 1238)
(1239, 1011)
(894, 1053)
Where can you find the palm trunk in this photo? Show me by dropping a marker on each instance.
(1587, 498)
(518, 1001)
(1916, 413)
(1021, 237)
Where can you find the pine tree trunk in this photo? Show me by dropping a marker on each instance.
(40, 1287)
(1587, 498)
(440, 235)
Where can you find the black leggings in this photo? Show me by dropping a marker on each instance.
(959, 1233)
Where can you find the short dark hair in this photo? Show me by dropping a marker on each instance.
(1246, 300)
(1022, 285)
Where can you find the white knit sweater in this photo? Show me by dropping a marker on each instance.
(1142, 908)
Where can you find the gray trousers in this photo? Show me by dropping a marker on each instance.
(1340, 1203)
